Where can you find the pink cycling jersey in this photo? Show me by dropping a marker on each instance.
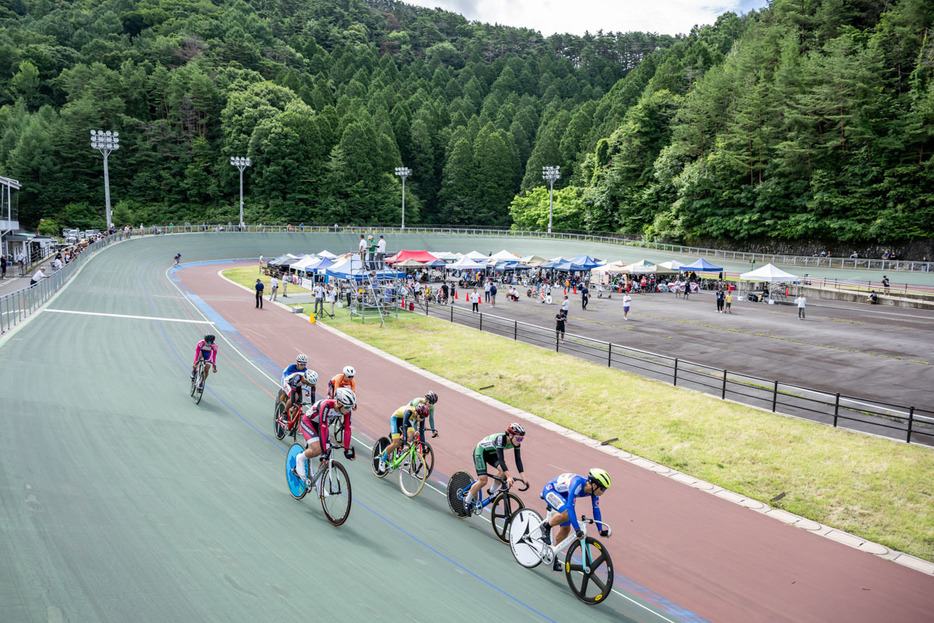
(316, 420)
(204, 346)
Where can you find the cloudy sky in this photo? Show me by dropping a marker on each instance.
(576, 16)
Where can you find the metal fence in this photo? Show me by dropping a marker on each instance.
(17, 306)
(906, 423)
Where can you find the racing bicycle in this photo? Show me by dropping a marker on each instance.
(198, 380)
(503, 503)
(590, 577)
(411, 461)
(330, 483)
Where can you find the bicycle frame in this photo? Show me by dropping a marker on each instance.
(563, 545)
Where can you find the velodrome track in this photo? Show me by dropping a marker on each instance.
(120, 499)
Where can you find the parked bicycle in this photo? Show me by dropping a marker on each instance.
(412, 462)
(331, 484)
(198, 380)
(590, 579)
(503, 503)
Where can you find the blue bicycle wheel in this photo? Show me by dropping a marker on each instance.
(296, 485)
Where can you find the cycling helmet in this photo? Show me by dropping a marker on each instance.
(422, 409)
(209, 338)
(311, 376)
(345, 397)
(349, 371)
(600, 478)
(301, 359)
(431, 397)
(516, 429)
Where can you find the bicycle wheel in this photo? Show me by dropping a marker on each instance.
(455, 493)
(412, 473)
(504, 506)
(279, 420)
(378, 448)
(199, 392)
(334, 492)
(593, 587)
(525, 537)
(194, 383)
(429, 455)
(296, 485)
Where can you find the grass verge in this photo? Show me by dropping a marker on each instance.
(878, 489)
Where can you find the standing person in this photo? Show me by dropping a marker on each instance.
(627, 301)
(332, 298)
(801, 302)
(585, 296)
(486, 291)
(319, 299)
(371, 252)
(561, 320)
(361, 248)
(720, 300)
(475, 301)
(39, 276)
(259, 293)
(2, 266)
(380, 251)
(729, 301)
(273, 288)
(261, 264)
(493, 294)
(566, 306)
(885, 284)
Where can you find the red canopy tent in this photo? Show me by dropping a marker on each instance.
(418, 256)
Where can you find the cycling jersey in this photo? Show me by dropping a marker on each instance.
(292, 369)
(341, 381)
(316, 420)
(403, 419)
(431, 410)
(561, 492)
(292, 386)
(490, 451)
(207, 352)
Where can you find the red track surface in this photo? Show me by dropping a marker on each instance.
(707, 555)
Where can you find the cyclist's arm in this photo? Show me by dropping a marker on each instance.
(197, 353)
(597, 515)
(573, 492)
(518, 460)
(406, 424)
(347, 432)
(501, 459)
(214, 355)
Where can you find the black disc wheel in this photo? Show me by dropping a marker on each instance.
(591, 586)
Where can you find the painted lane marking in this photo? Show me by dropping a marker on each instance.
(130, 316)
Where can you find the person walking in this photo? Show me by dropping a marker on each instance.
(273, 288)
(801, 302)
(259, 293)
(627, 302)
(585, 296)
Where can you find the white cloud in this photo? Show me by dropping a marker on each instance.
(577, 16)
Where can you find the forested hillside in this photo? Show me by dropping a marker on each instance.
(812, 120)
(325, 96)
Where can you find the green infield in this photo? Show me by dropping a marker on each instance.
(878, 489)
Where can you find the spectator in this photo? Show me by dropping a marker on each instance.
(561, 320)
(371, 253)
(380, 251)
(259, 293)
(2, 266)
(566, 306)
(475, 301)
(885, 284)
(332, 298)
(319, 299)
(801, 302)
(728, 299)
(585, 296)
(493, 294)
(361, 248)
(273, 288)
(721, 299)
(627, 302)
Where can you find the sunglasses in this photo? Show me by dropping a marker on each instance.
(517, 438)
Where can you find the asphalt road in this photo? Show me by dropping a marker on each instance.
(120, 499)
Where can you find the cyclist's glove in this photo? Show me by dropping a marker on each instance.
(579, 534)
(604, 533)
(350, 455)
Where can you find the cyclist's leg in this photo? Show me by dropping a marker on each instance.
(312, 446)
(479, 463)
(558, 504)
(395, 434)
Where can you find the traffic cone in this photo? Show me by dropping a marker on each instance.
(575, 289)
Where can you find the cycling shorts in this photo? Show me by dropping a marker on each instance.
(206, 355)
(556, 501)
(310, 431)
(481, 459)
(395, 428)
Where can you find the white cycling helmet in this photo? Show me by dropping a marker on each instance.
(311, 376)
(349, 371)
(345, 397)
(301, 359)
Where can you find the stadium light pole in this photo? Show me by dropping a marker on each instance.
(551, 175)
(240, 163)
(403, 172)
(106, 142)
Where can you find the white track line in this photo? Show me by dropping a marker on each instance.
(84, 313)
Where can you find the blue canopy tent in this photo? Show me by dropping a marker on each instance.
(319, 264)
(584, 262)
(554, 263)
(701, 265)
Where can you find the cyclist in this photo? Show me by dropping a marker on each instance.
(293, 388)
(301, 363)
(430, 398)
(205, 350)
(491, 451)
(315, 429)
(403, 422)
(344, 379)
(178, 258)
(559, 495)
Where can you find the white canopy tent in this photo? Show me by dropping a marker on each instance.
(465, 263)
(504, 255)
(476, 255)
(769, 273)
